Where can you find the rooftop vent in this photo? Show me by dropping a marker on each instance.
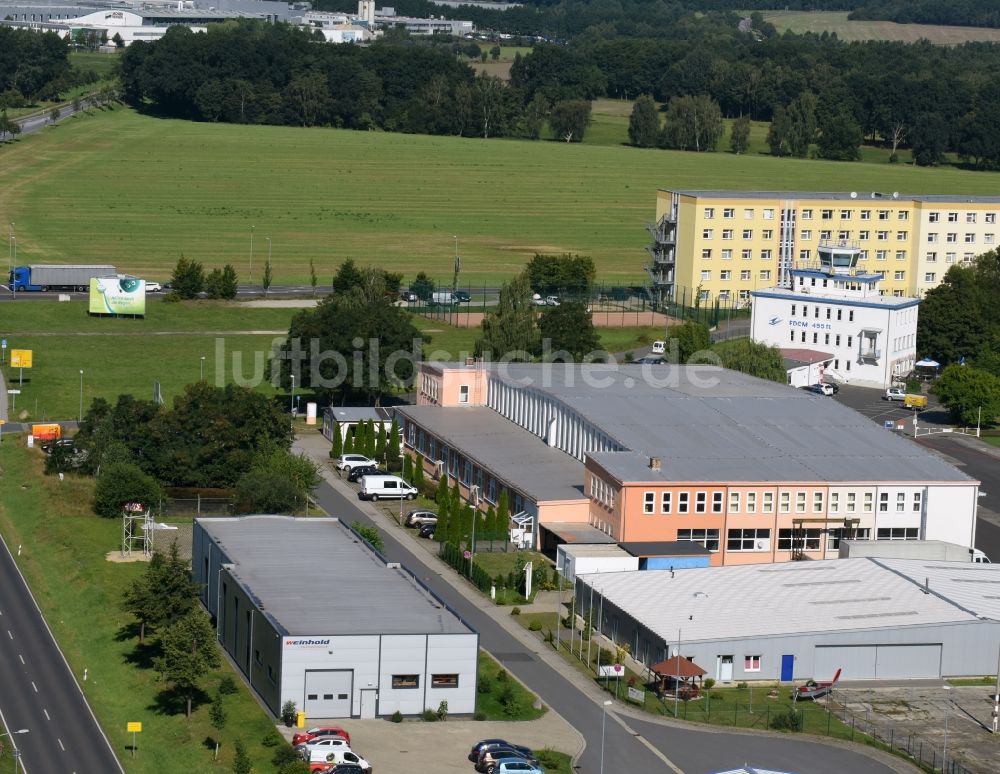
(655, 463)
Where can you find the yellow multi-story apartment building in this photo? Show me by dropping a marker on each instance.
(721, 245)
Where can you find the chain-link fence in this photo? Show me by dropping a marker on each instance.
(176, 507)
(611, 306)
(929, 755)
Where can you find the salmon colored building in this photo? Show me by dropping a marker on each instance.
(750, 470)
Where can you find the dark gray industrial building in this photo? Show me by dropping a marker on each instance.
(311, 614)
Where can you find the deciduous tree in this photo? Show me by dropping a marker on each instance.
(739, 135)
(569, 119)
(189, 653)
(509, 330)
(569, 328)
(644, 123)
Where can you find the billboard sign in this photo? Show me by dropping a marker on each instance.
(114, 295)
(20, 358)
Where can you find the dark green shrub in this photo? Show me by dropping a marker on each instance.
(429, 715)
(479, 715)
(789, 720)
(271, 739)
(227, 686)
(535, 626)
(709, 683)
(515, 610)
(397, 717)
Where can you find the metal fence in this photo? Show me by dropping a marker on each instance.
(931, 756)
(174, 507)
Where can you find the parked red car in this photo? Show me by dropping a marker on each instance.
(312, 733)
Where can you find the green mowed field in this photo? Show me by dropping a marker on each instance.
(848, 30)
(136, 191)
(63, 560)
(126, 356)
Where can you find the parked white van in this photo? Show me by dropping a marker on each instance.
(385, 487)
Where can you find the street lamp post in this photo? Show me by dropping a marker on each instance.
(251, 254)
(201, 372)
(944, 751)
(291, 404)
(81, 394)
(604, 722)
(16, 755)
(474, 502)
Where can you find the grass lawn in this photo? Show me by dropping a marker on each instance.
(993, 440)
(102, 64)
(64, 546)
(501, 697)
(138, 191)
(113, 365)
(848, 30)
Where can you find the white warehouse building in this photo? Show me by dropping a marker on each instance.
(311, 614)
(875, 619)
(871, 338)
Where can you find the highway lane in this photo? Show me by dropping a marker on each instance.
(39, 692)
(691, 751)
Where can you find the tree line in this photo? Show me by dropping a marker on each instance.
(228, 438)
(959, 327)
(35, 66)
(251, 72)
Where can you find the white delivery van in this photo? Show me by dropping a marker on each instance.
(320, 760)
(659, 347)
(385, 488)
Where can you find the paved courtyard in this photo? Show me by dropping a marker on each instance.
(441, 748)
(923, 711)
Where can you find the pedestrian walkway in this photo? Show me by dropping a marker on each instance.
(315, 446)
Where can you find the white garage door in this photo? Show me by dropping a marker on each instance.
(856, 661)
(877, 662)
(328, 693)
(906, 661)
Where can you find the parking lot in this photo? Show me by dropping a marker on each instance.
(441, 748)
(869, 401)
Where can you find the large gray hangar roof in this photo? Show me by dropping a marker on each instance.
(760, 600)
(521, 459)
(711, 424)
(313, 577)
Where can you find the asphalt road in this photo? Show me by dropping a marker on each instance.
(979, 464)
(691, 751)
(39, 692)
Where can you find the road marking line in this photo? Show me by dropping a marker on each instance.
(9, 634)
(649, 745)
(60, 744)
(34, 686)
(22, 658)
(46, 713)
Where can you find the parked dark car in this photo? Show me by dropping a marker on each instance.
(428, 530)
(478, 747)
(489, 754)
(67, 443)
(364, 470)
(461, 297)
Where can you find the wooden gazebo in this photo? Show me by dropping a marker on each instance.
(684, 673)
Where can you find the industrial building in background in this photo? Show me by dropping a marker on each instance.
(150, 19)
(719, 246)
(744, 470)
(833, 306)
(311, 614)
(873, 619)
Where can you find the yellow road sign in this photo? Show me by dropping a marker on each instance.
(134, 727)
(20, 358)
